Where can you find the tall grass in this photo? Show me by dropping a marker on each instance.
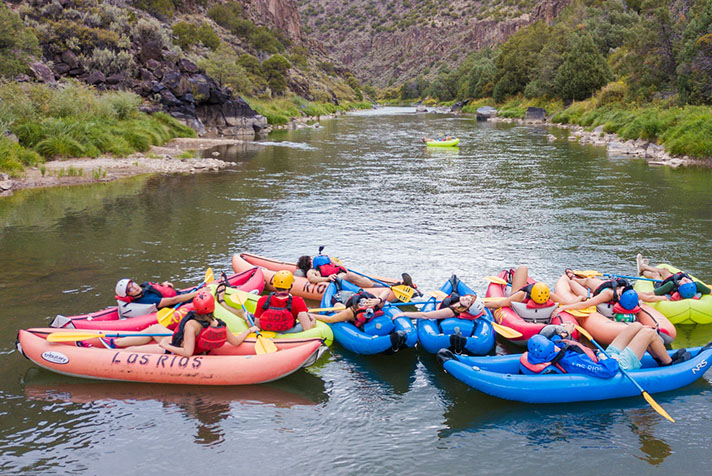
(74, 120)
(279, 111)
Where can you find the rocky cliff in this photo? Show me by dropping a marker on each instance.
(396, 41)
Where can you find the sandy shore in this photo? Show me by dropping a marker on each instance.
(105, 169)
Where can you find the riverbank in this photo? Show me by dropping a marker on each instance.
(653, 153)
(172, 157)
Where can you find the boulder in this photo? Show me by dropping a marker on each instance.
(152, 64)
(486, 112)
(169, 99)
(95, 77)
(41, 72)
(176, 82)
(145, 75)
(535, 114)
(61, 68)
(115, 78)
(70, 59)
(187, 66)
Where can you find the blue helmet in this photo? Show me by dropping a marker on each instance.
(540, 349)
(629, 299)
(320, 260)
(687, 290)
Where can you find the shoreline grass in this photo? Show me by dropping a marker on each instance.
(280, 111)
(74, 120)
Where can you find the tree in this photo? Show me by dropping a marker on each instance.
(275, 68)
(517, 63)
(17, 44)
(583, 71)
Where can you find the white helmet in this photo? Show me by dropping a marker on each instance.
(122, 286)
(477, 307)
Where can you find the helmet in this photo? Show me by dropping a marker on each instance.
(204, 303)
(283, 279)
(540, 293)
(477, 307)
(540, 349)
(687, 290)
(320, 260)
(629, 299)
(122, 286)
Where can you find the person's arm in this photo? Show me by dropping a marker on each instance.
(306, 320)
(558, 299)
(341, 316)
(651, 297)
(495, 303)
(314, 277)
(240, 338)
(191, 330)
(605, 296)
(444, 313)
(172, 301)
(663, 289)
(701, 288)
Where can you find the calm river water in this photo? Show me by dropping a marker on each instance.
(378, 199)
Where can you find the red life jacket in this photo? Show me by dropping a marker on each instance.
(277, 318)
(326, 270)
(362, 314)
(155, 288)
(210, 338)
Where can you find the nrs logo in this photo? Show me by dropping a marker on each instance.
(699, 367)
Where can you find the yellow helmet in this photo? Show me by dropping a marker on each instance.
(283, 279)
(540, 293)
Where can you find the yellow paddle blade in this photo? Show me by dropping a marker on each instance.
(165, 316)
(438, 294)
(584, 333)
(656, 406)
(72, 336)
(338, 307)
(581, 312)
(495, 279)
(402, 292)
(586, 273)
(264, 346)
(209, 276)
(506, 332)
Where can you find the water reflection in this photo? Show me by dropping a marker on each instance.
(392, 374)
(643, 424)
(208, 406)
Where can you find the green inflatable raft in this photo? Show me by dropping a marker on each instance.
(443, 143)
(237, 324)
(684, 311)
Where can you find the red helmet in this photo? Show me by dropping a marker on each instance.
(204, 303)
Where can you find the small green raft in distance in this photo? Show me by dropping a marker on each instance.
(443, 143)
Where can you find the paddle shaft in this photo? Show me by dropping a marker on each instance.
(631, 277)
(208, 276)
(656, 406)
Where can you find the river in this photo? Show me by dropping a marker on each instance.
(366, 188)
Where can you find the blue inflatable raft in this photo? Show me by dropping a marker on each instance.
(500, 377)
(474, 337)
(388, 333)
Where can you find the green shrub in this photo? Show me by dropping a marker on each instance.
(159, 8)
(14, 158)
(264, 39)
(17, 44)
(185, 34)
(229, 16)
(208, 37)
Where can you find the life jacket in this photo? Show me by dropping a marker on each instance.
(612, 309)
(362, 315)
(277, 318)
(326, 270)
(553, 365)
(452, 301)
(150, 288)
(209, 337)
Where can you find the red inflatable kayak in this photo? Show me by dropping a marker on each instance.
(249, 280)
(529, 325)
(302, 287)
(231, 365)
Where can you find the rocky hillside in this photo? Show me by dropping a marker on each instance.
(391, 42)
(191, 58)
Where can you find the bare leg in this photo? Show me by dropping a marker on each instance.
(142, 340)
(570, 290)
(358, 280)
(654, 273)
(520, 278)
(647, 339)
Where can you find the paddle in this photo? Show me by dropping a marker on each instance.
(339, 307)
(645, 394)
(402, 292)
(263, 345)
(497, 280)
(86, 335)
(590, 273)
(504, 331)
(165, 316)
